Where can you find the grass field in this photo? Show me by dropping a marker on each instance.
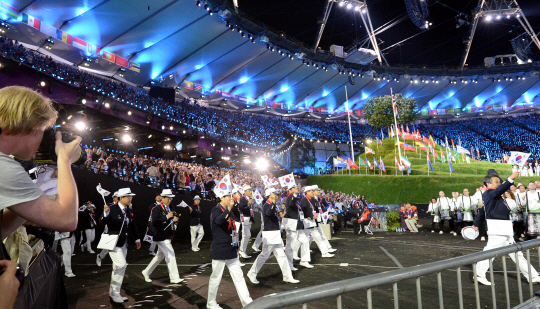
(414, 188)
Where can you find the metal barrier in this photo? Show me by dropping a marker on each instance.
(337, 289)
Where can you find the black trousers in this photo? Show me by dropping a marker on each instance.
(450, 224)
(433, 223)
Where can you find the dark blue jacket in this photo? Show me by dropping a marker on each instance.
(494, 205)
(306, 207)
(291, 211)
(164, 229)
(114, 222)
(270, 216)
(245, 209)
(222, 226)
(195, 215)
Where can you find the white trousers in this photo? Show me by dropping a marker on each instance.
(90, 237)
(165, 251)
(281, 258)
(495, 241)
(237, 277)
(103, 253)
(319, 228)
(316, 235)
(152, 246)
(197, 233)
(118, 257)
(298, 238)
(65, 243)
(258, 239)
(246, 235)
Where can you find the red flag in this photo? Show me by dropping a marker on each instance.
(397, 163)
(122, 61)
(352, 164)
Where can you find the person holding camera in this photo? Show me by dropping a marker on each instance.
(25, 115)
(119, 221)
(164, 221)
(9, 284)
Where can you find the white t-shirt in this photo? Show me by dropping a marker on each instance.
(16, 186)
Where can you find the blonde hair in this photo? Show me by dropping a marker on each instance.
(23, 110)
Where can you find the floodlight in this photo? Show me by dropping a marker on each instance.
(262, 164)
(80, 125)
(126, 138)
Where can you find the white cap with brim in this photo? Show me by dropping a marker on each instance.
(197, 197)
(246, 187)
(269, 191)
(124, 192)
(309, 188)
(167, 193)
(291, 185)
(115, 194)
(469, 233)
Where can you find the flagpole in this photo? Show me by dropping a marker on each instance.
(427, 155)
(395, 123)
(349, 119)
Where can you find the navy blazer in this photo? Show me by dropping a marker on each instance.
(222, 226)
(494, 205)
(245, 209)
(270, 216)
(195, 215)
(164, 229)
(306, 207)
(114, 221)
(291, 211)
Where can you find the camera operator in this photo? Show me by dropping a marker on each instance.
(24, 117)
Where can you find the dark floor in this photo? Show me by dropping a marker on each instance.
(365, 255)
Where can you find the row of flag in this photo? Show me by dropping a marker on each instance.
(89, 49)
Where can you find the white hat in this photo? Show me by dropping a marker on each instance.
(315, 187)
(115, 194)
(269, 191)
(469, 233)
(309, 188)
(221, 193)
(291, 185)
(246, 187)
(92, 205)
(167, 193)
(124, 192)
(196, 197)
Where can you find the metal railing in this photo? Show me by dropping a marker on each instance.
(337, 289)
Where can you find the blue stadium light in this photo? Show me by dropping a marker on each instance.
(108, 139)
(243, 80)
(284, 88)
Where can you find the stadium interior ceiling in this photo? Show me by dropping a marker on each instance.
(238, 51)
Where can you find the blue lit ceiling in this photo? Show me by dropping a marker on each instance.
(176, 41)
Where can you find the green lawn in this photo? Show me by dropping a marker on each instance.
(416, 188)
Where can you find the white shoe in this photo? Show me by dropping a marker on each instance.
(291, 281)
(441, 232)
(294, 269)
(92, 252)
(482, 238)
(432, 231)
(71, 275)
(146, 276)
(125, 299)
(535, 279)
(483, 280)
(296, 258)
(306, 265)
(359, 232)
(255, 249)
(253, 278)
(73, 254)
(116, 298)
(327, 255)
(332, 250)
(198, 249)
(152, 253)
(177, 280)
(243, 255)
(194, 249)
(98, 260)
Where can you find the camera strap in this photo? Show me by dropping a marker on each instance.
(2, 255)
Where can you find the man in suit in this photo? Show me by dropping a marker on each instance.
(151, 230)
(165, 223)
(119, 221)
(195, 227)
(89, 225)
(500, 231)
(104, 252)
(272, 242)
(246, 216)
(292, 214)
(224, 250)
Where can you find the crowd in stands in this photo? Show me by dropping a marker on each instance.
(493, 136)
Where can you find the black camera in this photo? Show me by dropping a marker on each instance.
(46, 152)
(42, 233)
(19, 274)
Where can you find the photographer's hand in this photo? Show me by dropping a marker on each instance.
(9, 284)
(67, 151)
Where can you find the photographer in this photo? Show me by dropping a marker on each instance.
(24, 117)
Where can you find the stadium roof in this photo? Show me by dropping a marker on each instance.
(176, 41)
